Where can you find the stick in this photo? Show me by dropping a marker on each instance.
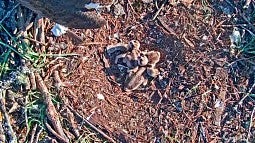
(249, 130)
(161, 7)
(51, 112)
(8, 13)
(247, 94)
(38, 135)
(247, 3)
(91, 125)
(9, 131)
(55, 133)
(33, 133)
(170, 30)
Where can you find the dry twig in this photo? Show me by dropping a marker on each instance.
(38, 135)
(247, 94)
(161, 7)
(8, 13)
(247, 4)
(165, 26)
(33, 133)
(55, 133)
(51, 112)
(249, 130)
(91, 125)
(73, 123)
(9, 131)
(2, 135)
(249, 23)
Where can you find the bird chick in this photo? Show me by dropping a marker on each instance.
(131, 57)
(143, 60)
(120, 47)
(135, 79)
(153, 57)
(153, 72)
(134, 45)
(123, 48)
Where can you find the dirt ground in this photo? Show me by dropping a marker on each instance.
(198, 96)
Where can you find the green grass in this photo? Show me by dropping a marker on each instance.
(34, 111)
(24, 51)
(16, 74)
(35, 108)
(18, 47)
(249, 48)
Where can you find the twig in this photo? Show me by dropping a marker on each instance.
(2, 135)
(58, 82)
(23, 32)
(73, 123)
(42, 34)
(247, 3)
(129, 3)
(9, 131)
(51, 112)
(161, 7)
(33, 133)
(38, 135)
(241, 59)
(8, 13)
(249, 130)
(26, 116)
(91, 125)
(249, 23)
(156, 4)
(232, 25)
(170, 30)
(93, 43)
(252, 34)
(55, 133)
(247, 94)
(202, 132)
(32, 80)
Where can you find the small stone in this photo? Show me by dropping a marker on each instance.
(118, 10)
(92, 5)
(59, 30)
(147, 1)
(100, 96)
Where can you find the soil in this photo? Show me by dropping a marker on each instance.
(196, 97)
